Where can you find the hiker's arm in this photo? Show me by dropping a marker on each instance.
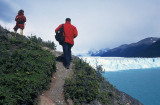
(75, 32)
(58, 28)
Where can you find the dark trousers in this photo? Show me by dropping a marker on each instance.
(67, 53)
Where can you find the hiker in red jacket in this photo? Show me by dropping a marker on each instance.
(20, 20)
(70, 32)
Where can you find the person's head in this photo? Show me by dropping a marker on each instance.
(21, 11)
(68, 19)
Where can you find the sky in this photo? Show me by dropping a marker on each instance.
(100, 23)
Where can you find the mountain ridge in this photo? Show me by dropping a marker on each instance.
(137, 49)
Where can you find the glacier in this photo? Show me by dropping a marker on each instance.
(122, 63)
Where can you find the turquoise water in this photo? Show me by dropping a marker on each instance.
(143, 85)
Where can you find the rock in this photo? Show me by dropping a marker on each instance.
(70, 102)
(96, 102)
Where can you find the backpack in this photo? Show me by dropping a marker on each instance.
(20, 20)
(59, 35)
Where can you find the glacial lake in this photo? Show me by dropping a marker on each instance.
(142, 84)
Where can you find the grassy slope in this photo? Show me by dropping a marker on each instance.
(87, 86)
(25, 69)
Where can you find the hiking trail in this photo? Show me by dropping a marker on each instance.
(55, 95)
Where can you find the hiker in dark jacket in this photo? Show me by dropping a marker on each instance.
(70, 32)
(20, 20)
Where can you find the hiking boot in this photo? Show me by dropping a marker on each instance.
(67, 67)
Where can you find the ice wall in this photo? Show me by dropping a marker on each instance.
(120, 63)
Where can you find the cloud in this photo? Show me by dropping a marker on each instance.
(7, 25)
(100, 24)
(6, 11)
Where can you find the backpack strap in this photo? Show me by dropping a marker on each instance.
(63, 29)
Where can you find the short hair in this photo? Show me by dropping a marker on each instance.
(68, 19)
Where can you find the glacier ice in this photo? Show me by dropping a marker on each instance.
(121, 63)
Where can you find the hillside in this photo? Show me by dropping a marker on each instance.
(81, 85)
(137, 49)
(28, 66)
(25, 68)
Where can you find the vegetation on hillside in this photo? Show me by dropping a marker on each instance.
(25, 69)
(39, 41)
(87, 85)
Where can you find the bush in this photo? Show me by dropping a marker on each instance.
(87, 85)
(84, 86)
(39, 41)
(25, 70)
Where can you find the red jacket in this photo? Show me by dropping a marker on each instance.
(70, 32)
(20, 25)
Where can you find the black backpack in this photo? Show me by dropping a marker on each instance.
(59, 35)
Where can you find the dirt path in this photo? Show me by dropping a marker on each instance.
(55, 96)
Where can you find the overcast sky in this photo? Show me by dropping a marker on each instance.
(100, 23)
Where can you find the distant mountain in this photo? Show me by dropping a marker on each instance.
(83, 55)
(95, 52)
(151, 51)
(135, 49)
(92, 52)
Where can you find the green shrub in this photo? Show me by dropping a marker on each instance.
(25, 70)
(39, 41)
(84, 86)
(104, 97)
(87, 84)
